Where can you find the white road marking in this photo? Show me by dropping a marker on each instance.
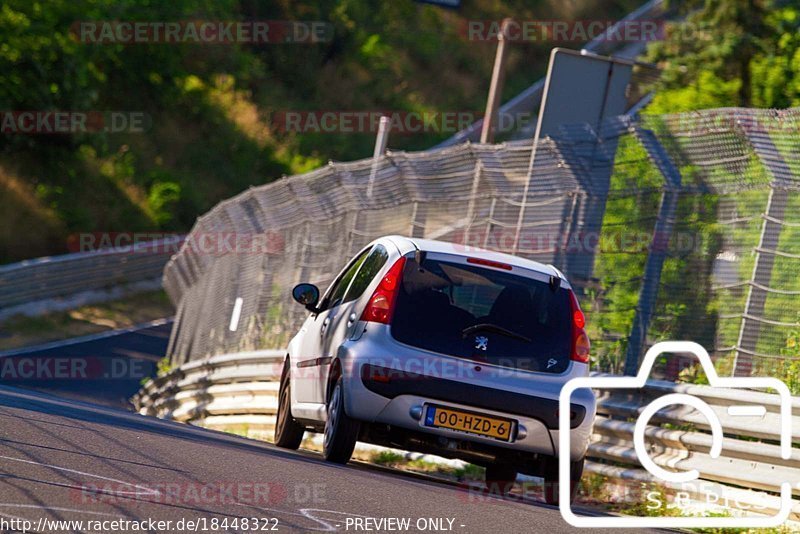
(143, 489)
(309, 513)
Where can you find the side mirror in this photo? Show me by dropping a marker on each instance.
(307, 295)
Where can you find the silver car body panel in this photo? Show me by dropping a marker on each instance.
(371, 343)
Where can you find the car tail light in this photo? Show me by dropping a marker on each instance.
(580, 341)
(381, 304)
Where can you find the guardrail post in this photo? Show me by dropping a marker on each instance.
(659, 244)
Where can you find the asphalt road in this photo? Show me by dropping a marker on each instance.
(63, 460)
(105, 368)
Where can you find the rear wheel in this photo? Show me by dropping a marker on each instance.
(500, 479)
(288, 432)
(341, 431)
(551, 482)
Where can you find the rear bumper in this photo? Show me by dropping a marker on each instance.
(381, 389)
(391, 383)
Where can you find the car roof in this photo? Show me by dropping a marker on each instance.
(407, 244)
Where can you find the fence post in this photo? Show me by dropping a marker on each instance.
(489, 222)
(303, 272)
(525, 190)
(569, 211)
(496, 86)
(762, 273)
(780, 173)
(593, 172)
(381, 140)
(659, 245)
(476, 177)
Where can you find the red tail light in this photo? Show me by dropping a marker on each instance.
(381, 304)
(580, 341)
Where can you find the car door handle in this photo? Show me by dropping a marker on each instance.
(325, 324)
(351, 319)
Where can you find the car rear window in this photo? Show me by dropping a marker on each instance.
(483, 314)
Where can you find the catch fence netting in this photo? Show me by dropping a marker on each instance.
(671, 227)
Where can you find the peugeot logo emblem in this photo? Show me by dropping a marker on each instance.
(481, 342)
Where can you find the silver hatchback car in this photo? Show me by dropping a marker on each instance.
(443, 349)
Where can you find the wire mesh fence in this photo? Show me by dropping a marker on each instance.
(672, 227)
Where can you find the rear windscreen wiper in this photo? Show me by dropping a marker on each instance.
(489, 327)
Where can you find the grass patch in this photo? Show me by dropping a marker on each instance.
(243, 430)
(389, 458)
(470, 472)
(21, 331)
(398, 461)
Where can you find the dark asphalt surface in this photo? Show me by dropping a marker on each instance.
(62, 459)
(106, 368)
(67, 460)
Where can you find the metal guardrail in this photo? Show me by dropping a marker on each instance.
(751, 459)
(54, 277)
(242, 387)
(239, 392)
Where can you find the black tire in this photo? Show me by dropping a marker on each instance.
(341, 432)
(288, 432)
(550, 476)
(500, 479)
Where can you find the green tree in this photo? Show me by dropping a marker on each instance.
(729, 53)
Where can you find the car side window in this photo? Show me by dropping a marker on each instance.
(336, 292)
(372, 265)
